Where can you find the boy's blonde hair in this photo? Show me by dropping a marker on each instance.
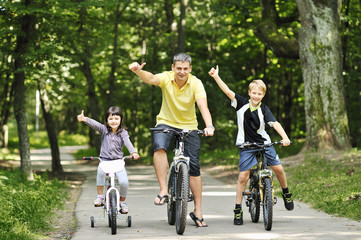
(259, 84)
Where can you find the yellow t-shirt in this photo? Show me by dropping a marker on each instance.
(178, 105)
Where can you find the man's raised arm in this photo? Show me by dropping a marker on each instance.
(145, 76)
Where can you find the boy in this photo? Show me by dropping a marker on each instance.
(252, 116)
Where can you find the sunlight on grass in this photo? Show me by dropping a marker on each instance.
(332, 186)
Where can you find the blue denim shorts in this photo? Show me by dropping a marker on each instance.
(192, 147)
(248, 158)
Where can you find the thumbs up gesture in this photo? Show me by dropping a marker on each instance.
(81, 117)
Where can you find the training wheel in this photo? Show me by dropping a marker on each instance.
(92, 220)
(129, 220)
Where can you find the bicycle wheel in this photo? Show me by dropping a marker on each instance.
(171, 202)
(255, 203)
(113, 212)
(267, 204)
(182, 195)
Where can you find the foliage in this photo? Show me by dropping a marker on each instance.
(331, 185)
(27, 205)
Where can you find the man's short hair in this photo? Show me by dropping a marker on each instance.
(183, 57)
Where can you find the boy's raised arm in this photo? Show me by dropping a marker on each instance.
(214, 73)
(145, 76)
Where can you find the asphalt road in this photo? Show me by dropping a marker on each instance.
(150, 221)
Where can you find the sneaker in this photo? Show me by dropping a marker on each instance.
(98, 202)
(238, 216)
(124, 208)
(287, 198)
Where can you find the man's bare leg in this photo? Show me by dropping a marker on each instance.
(161, 166)
(196, 187)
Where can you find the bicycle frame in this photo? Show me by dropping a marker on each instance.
(263, 172)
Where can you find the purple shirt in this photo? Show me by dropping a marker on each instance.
(112, 144)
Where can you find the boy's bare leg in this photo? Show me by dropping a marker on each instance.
(281, 175)
(241, 185)
(196, 187)
(161, 166)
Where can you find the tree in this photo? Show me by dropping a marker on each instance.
(22, 46)
(321, 59)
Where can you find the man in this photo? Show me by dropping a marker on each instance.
(180, 92)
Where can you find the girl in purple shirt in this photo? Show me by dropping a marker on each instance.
(114, 136)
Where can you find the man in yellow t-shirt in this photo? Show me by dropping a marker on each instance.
(180, 91)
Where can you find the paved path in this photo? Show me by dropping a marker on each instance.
(150, 221)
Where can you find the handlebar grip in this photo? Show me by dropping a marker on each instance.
(155, 129)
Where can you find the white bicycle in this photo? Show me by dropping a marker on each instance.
(111, 204)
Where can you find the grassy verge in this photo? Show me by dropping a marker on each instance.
(28, 206)
(329, 184)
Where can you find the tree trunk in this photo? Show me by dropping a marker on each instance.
(22, 44)
(56, 166)
(118, 14)
(6, 98)
(321, 59)
(168, 7)
(182, 25)
(86, 55)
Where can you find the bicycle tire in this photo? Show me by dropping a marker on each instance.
(171, 203)
(255, 203)
(182, 197)
(267, 204)
(113, 212)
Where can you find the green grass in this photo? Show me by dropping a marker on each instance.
(27, 206)
(330, 185)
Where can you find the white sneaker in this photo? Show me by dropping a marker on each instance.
(124, 208)
(98, 202)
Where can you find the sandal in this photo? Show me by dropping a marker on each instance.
(165, 197)
(195, 219)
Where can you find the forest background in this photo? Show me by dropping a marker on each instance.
(74, 55)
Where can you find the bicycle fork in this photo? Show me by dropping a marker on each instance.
(266, 173)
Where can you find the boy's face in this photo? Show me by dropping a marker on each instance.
(256, 95)
(181, 70)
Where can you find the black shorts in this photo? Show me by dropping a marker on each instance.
(192, 146)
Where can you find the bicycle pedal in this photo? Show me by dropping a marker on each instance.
(190, 198)
(247, 193)
(275, 200)
(247, 203)
(99, 205)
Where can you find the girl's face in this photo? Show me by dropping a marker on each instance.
(256, 95)
(114, 122)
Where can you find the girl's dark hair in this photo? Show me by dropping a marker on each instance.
(114, 110)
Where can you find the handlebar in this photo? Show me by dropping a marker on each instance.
(98, 158)
(259, 145)
(184, 131)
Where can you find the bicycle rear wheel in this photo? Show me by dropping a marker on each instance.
(182, 195)
(255, 203)
(267, 204)
(113, 212)
(171, 202)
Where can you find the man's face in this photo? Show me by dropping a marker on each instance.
(181, 70)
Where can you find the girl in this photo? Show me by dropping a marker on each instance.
(114, 136)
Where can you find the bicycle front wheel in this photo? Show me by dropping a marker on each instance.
(171, 202)
(255, 203)
(267, 204)
(113, 212)
(182, 195)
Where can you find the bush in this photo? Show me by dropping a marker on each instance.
(27, 206)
